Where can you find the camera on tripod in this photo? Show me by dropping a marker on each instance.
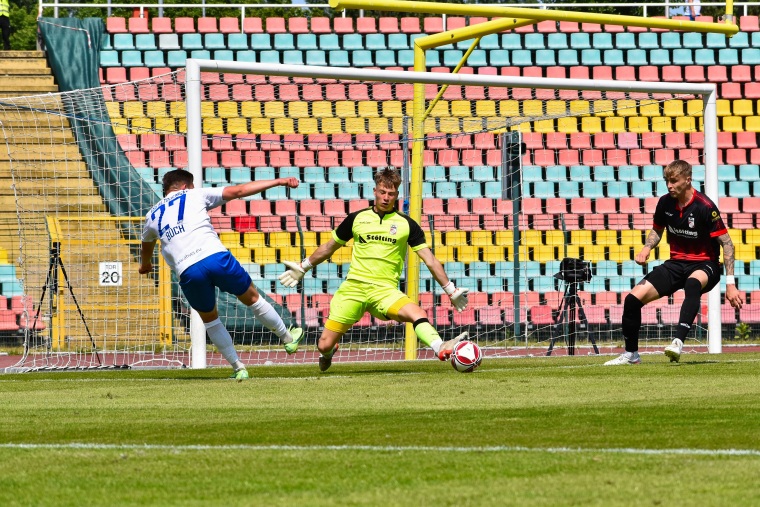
(573, 270)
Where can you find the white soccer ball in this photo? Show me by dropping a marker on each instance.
(466, 356)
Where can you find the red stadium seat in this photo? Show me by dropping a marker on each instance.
(116, 25)
(298, 25)
(207, 25)
(410, 25)
(138, 25)
(184, 25)
(432, 25)
(276, 25)
(161, 25)
(366, 25)
(388, 25)
(343, 25)
(229, 25)
(320, 25)
(694, 73)
(749, 24)
(252, 25)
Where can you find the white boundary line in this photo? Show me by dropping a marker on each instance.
(379, 448)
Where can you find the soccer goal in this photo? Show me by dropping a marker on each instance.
(511, 175)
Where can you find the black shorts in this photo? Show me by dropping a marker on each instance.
(671, 275)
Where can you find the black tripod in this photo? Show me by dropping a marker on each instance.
(569, 307)
(52, 282)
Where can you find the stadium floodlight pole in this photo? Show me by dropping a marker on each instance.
(500, 11)
(707, 90)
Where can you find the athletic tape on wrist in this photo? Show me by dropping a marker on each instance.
(730, 280)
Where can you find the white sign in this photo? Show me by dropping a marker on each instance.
(110, 273)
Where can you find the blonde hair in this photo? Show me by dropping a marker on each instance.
(677, 168)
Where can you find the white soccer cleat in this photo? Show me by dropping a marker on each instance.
(626, 358)
(673, 351)
(447, 347)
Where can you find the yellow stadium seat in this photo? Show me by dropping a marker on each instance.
(455, 238)
(242, 254)
(274, 109)
(673, 108)
(543, 126)
(397, 125)
(280, 239)
(345, 109)
(461, 108)
(331, 126)
(603, 107)
(467, 253)
(606, 238)
(481, 238)
(509, 108)
(4, 256)
(182, 126)
(556, 238)
(638, 124)
(377, 125)
(695, 107)
(593, 253)
(662, 124)
(485, 108)
(472, 124)
(449, 125)
(392, 109)
(577, 107)
(568, 125)
(591, 124)
(156, 110)
(141, 125)
(440, 109)
(533, 108)
(308, 126)
(264, 255)
(237, 126)
(165, 125)
(207, 109)
(685, 124)
(752, 123)
(430, 236)
(283, 126)
(342, 256)
(227, 109)
(254, 239)
(496, 253)
(723, 107)
(743, 107)
(581, 238)
(497, 125)
(543, 253)
(230, 239)
(662, 251)
(503, 238)
(571, 251)
(732, 123)
(614, 124)
(298, 109)
(619, 253)
(326, 236)
(120, 126)
(355, 126)
(632, 238)
(445, 253)
(114, 111)
(431, 126)
(556, 107)
(321, 109)
(133, 110)
(213, 126)
(261, 126)
(746, 253)
(626, 107)
(649, 108)
(290, 252)
(177, 109)
(368, 109)
(250, 109)
(531, 238)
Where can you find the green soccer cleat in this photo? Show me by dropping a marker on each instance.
(326, 361)
(240, 374)
(297, 334)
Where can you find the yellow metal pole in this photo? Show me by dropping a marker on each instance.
(455, 71)
(165, 301)
(499, 11)
(729, 17)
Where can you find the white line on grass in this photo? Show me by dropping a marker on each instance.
(381, 448)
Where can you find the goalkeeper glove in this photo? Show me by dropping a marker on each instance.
(458, 296)
(295, 273)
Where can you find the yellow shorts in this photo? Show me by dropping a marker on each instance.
(353, 298)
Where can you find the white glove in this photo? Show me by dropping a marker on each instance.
(292, 276)
(458, 296)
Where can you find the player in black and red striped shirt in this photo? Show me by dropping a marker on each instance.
(696, 233)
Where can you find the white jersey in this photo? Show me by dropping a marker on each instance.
(180, 220)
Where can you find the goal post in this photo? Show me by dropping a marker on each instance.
(319, 76)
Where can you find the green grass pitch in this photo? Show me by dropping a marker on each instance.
(527, 432)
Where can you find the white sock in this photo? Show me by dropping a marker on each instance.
(436, 345)
(263, 311)
(221, 338)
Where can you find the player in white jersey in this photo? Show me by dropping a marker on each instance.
(193, 250)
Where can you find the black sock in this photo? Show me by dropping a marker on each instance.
(631, 322)
(689, 308)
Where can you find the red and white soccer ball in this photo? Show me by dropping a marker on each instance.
(466, 356)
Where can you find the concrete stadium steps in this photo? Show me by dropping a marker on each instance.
(24, 73)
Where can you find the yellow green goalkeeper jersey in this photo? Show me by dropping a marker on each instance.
(380, 242)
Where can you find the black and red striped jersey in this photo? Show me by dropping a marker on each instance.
(693, 229)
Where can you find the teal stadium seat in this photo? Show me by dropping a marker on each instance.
(569, 189)
(477, 59)
(362, 58)
(652, 172)
(499, 58)
(750, 56)
(146, 173)
(314, 174)
(546, 58)
(240, 175)
(215, 175)
(375, 42)
(641, 189)
(670, 40)
(511, 41)
(385, 58)
(630, 268)
(131, 59)
(109, 59)
(580, 40)
(534, 41)
(726, 172)
(263, 173)
(433, 58)
(659, 57)
(224, 55)
(338, 58)
(191, 41)
(362, 174)
(704, 57)
(568, 57)
(482, 173)
(739, 189)
(284, 41)
(604, 173)
(606, 269)
(145, 42)
(730, 56)
(694, 40)
(739, 41)
(532, 268)
(123, 41)
(435, 173)
(648, 40)
(292, 57)
(492, 190)
(269, 56)
(613, 57)
(592, 189)
(454, 269)
(625, 41)
(237, 41)
(261, 41)
(348, 191)
(154, 59)
(316, 57)
(532, 173)
(556, 41)
(300, 193)
(489, 42)
(105, 43)
(459, 173)
(580, 173)
(697, 172)
(749, 172)
(245, 56)
(521, 58)
(427, 190)
(602, 41)
(398, 41)
(715, 41)
(352, 42)
(213, 41)
(543, 189)
(446, 190)
(452, 57)
(636, 57)
(617, 189)
(470, 190)
(628, 173)
(556, 173)
(683, 57)
(306, 41)
(405, 58)
(337, 174)
(591, 57)
(329, 42)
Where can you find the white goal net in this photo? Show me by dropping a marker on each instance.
(516, 175)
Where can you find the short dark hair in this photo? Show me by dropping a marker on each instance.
(389, 177)
(177, 176)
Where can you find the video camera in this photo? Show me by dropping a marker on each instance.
(573, 270)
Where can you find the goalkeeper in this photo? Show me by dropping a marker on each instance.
(381, 235)
(193, 250)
